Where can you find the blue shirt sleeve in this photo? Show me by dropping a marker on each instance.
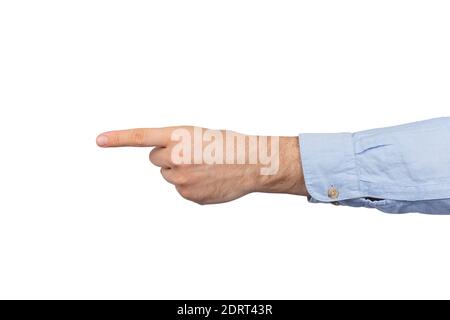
(397, 169)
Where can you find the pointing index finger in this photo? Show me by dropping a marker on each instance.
(141, 137)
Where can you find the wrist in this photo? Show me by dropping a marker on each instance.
(289, 177)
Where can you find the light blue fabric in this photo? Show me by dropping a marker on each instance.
(406, 167)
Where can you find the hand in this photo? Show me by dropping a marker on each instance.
(209, 166)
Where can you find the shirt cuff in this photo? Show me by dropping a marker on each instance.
(329, 166)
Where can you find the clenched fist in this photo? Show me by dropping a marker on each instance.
(214, 166)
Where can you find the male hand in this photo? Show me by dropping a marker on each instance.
(217, 166)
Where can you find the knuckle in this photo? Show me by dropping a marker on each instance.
(169, 161)
(165, 174)
(158, 156)
(152, 155)
(115, 140)
(201, 202)
(184, 192)
(181, 179)
(190, 195)
(138, 136)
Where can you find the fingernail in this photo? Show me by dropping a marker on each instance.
(102, 140)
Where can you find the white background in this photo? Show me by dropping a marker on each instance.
(77, 221)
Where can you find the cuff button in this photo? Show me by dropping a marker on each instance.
(333, 193)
